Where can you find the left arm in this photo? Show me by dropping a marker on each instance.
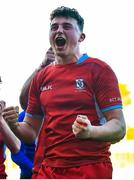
(113, 130)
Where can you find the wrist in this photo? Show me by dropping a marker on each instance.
(90, 131)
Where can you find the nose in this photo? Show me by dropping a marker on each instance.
(60, 29)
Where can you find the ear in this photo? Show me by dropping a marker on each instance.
(82, 37)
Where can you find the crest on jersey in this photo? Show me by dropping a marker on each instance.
(80, 83)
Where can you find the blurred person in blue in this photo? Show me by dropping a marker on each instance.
(25, 156)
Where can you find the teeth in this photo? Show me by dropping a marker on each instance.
(60, 41)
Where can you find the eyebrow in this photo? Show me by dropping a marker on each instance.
(64, 23)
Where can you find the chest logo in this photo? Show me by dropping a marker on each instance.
(80, 83)
(46, 88)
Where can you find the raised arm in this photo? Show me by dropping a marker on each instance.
(49, 58)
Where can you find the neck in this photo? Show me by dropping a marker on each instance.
(67, 59)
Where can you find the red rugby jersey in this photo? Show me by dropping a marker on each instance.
(62, 92)
(2, 159)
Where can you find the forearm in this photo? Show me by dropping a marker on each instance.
(27, 130)
(24, 131)
(114, 130)
(12, 142)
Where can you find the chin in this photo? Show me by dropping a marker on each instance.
(60, 52)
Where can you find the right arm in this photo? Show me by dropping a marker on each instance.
(26, 130)
(29, 128)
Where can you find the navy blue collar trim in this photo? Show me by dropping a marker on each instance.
(82, 58)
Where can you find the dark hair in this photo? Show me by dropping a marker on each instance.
(68, 12)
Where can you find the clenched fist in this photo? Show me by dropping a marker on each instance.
(82, 127)
(10, 115)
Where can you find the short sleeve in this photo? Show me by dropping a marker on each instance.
(106, 89)
(34, 104)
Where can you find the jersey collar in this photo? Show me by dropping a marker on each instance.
(82, 58)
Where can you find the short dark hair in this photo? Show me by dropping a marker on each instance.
(68, 12)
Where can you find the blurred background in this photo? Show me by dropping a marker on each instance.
(109, 27)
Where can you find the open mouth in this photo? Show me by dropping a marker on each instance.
(60, 41)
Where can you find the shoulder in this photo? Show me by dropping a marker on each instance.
(97, 62)
(41, 77)
(98, 66)
(44, 71)
(99, 69)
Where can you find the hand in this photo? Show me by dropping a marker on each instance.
(82, 127)
(11, 115)
(49, 58)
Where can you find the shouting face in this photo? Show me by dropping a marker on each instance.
(65, 36)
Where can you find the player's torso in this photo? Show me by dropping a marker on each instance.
(65, 92)
(68, 89)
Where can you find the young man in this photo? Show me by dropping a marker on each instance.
(69, 92)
